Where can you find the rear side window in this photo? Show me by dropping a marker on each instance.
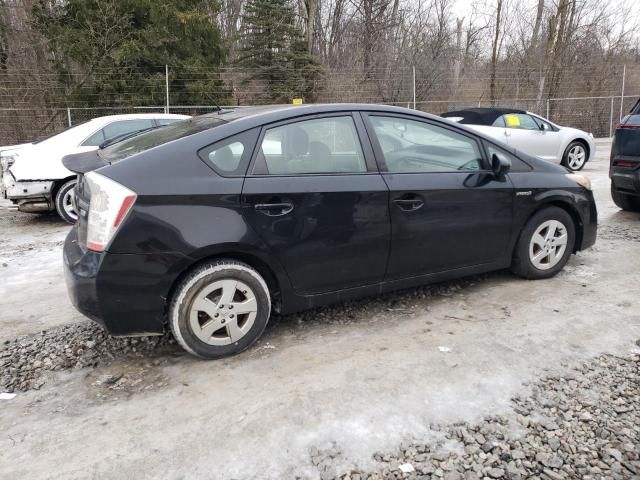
(319, 146)
(230, 157)
(517, 165)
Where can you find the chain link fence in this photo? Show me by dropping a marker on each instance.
(30, 109)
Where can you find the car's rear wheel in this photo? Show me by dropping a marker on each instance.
(64, 203)
(625, 202)
(545, 244)
(575, 156)
(220, 309)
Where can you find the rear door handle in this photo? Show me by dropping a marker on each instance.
(276, 209)
(409, 203)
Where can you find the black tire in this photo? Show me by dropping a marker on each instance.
(61, 202)
(187, 292)
(522, 264)
(625, 202)
(565, 156)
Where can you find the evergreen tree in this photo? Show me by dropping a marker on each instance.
(274, 52)
(117, 49)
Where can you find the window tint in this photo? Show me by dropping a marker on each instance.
(517, 165)
(125, 126)
(520, 121)
(230, 157)
(323, 145)
(95, 139)
(411, 146)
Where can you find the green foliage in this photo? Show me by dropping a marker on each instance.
(114, 51)
(273, 51)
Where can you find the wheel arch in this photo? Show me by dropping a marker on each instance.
(57, 184)
(585, 144)
(567, 207)
(267, 271)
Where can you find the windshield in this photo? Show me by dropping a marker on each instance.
(159, 136)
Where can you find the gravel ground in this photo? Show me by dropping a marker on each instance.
(585, 424)
(25, 361)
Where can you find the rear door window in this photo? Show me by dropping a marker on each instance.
(319, 146)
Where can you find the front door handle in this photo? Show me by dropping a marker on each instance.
(276, 209)
(409, 203)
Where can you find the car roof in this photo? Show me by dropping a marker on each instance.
(481, 116)
(261, 115)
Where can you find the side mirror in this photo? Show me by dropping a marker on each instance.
(500, 165)
(542, 127)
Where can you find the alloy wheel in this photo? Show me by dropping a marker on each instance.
(548, 244)
(67, 204)
(223, 312)
(576, 157)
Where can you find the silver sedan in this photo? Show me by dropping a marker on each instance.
(531, 134)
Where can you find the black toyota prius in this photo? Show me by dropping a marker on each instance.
(209, 224)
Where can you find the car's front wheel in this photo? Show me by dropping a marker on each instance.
(64, 202)
(575, 156)
(545, 244)
(220, 309)
(625, 202)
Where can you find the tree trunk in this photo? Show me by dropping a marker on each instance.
(494, 54)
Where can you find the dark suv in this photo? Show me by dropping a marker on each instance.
(210, 223)
(625, 162)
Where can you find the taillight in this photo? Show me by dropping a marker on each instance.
(109, 204)
(627, 126)
(624, 164)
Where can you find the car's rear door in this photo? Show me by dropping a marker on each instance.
(448, 210)
(314, 195)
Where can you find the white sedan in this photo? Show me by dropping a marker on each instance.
(530, 133)
(33, 177)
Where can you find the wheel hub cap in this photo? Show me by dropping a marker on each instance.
(548, 244)
(577, 156)
(223, 312)
(67, 204)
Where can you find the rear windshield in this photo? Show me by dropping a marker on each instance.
(159, 136)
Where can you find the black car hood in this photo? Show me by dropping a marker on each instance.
(83, 162)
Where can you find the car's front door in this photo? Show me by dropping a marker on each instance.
(315, 197)
(532, 136)
(448, 210)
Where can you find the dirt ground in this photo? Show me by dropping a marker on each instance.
(362, 377)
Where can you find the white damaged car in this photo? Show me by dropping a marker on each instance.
(33, 177)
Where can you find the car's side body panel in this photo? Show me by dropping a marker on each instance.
(334, 245)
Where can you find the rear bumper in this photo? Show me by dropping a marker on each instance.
(125, 293)
(625, 181)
